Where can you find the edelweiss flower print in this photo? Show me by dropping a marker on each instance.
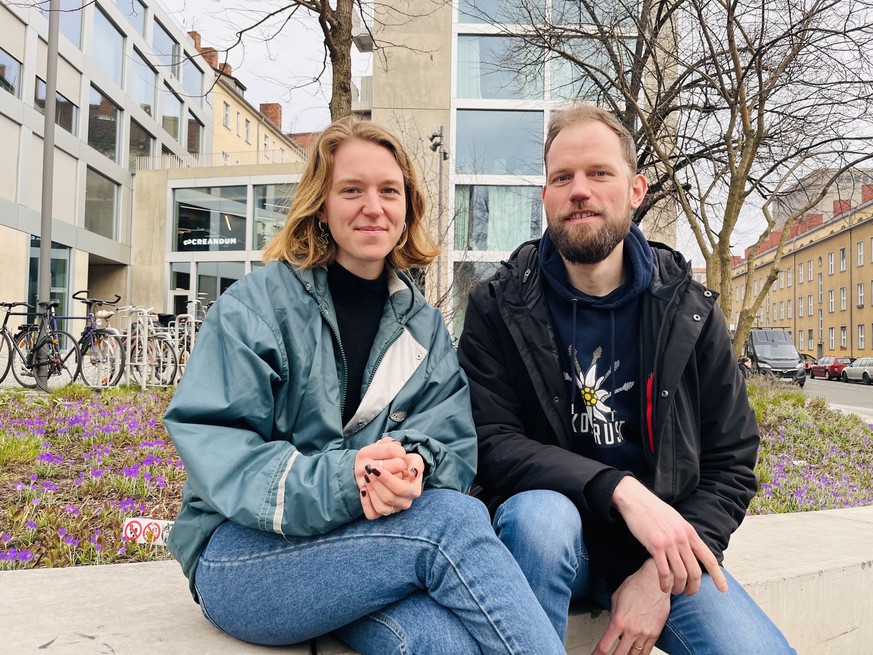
(592, 413)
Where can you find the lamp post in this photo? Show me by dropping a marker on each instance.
(437, 145)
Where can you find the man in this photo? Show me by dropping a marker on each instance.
(613, 422)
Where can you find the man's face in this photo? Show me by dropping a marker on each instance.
(589, 192)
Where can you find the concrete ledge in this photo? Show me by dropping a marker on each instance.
(811, 572)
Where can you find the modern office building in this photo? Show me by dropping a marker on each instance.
(823, 293)
(130, 84)
(477, 129)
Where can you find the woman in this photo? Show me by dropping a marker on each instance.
(325, 427)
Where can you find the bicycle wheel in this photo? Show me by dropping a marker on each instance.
(56, 361)
(5, 356)
(20, 359)
(102, 361)
(157, 367)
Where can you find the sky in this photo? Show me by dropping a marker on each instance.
(274, 67)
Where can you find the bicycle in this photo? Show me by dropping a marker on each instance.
(152, 359)
(39, 355)
(101, 347)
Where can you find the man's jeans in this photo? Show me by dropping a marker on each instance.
(543, 530)
(433, 579)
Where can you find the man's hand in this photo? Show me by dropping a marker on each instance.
(672, 541)
(639, 612)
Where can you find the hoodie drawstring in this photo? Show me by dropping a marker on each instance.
(574, 361)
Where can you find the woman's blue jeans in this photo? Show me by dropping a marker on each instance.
(433, 579)
(543, 531)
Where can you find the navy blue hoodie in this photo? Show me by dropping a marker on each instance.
(600, 347)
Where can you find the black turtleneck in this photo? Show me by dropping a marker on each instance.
(359, 304)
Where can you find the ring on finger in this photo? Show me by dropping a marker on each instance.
(381, 463)
(638, 647)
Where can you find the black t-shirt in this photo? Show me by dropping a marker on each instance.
(359, 304)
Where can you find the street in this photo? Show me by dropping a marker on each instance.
(850, 397)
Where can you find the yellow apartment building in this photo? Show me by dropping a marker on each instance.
(824, 290)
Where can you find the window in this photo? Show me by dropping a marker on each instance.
(843, 339)
(831, 340)
(809, 270)
(272, 202)
(143, 83)
(10, 73)
(103, 121)
(70, 19)
(225, 114)
(465, 276)
(486, 70)
(107, 46)
(800, 274)
(141, 143)
(570, 82)
(842, 259)
(830, 300)
(801, 340)
(842, 299)
(248, 131)
(860, 294)
(195, 134)
(809, 303)
(788, 308)
(775, 313)
(171, 113)
(266, 144)
(210, 219)
(820, 288)
(496, 11)
(830, 263)
(238, 123)
(192, 81)
(781, 279)
(135, 13)
(790, 273)
(225, 158)
(166, 50)
(810, 338)
(800, 307)
(859, 251)
(66, 113)
(483, 147)
(861, 342)
(781, 310)
(491, 217)
(101, 204)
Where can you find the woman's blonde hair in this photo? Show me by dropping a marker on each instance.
(298, 240)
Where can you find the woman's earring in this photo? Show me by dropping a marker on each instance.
(404, 236)
(323, 237)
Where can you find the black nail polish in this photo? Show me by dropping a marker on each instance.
(414, 472)
(367, 478)
(368, 468)
(363, 492)
(376, 472)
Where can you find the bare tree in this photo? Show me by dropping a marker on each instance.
(732, 102)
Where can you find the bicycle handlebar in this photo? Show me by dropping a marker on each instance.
(94, 301)
(12, 305)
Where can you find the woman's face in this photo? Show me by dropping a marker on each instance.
(365, 207)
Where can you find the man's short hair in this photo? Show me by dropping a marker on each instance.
(585, 112)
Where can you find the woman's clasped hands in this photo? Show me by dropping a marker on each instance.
(388, 477)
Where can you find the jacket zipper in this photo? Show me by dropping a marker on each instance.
(650, 383)
(394, 337)
(344, 381)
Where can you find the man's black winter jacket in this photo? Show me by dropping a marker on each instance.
(700, 435)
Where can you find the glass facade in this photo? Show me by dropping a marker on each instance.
(490, 217)
(211, 219)
(66, 113)
(194, 134)
(502, 11)
(70, 19)
(192, 80)
(143, 83)
(107, 46)
(101, 204)
(465, 276)
(488, 67)
(10, 73)
(60, 275)
(213, 278)
(272, 202)
(569, 81)
(141, 143)
(134, 10)
(165, 48)
(499, 142)
(171, 113)
(103, 121)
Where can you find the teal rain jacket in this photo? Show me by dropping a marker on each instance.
(257, 416)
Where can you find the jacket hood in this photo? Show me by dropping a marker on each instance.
(638, 263)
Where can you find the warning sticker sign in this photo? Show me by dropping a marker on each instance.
(147, 531)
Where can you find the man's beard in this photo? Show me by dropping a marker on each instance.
(587, 244)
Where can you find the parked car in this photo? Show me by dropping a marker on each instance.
(808, 361)
(829, 367)
(861, 370)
